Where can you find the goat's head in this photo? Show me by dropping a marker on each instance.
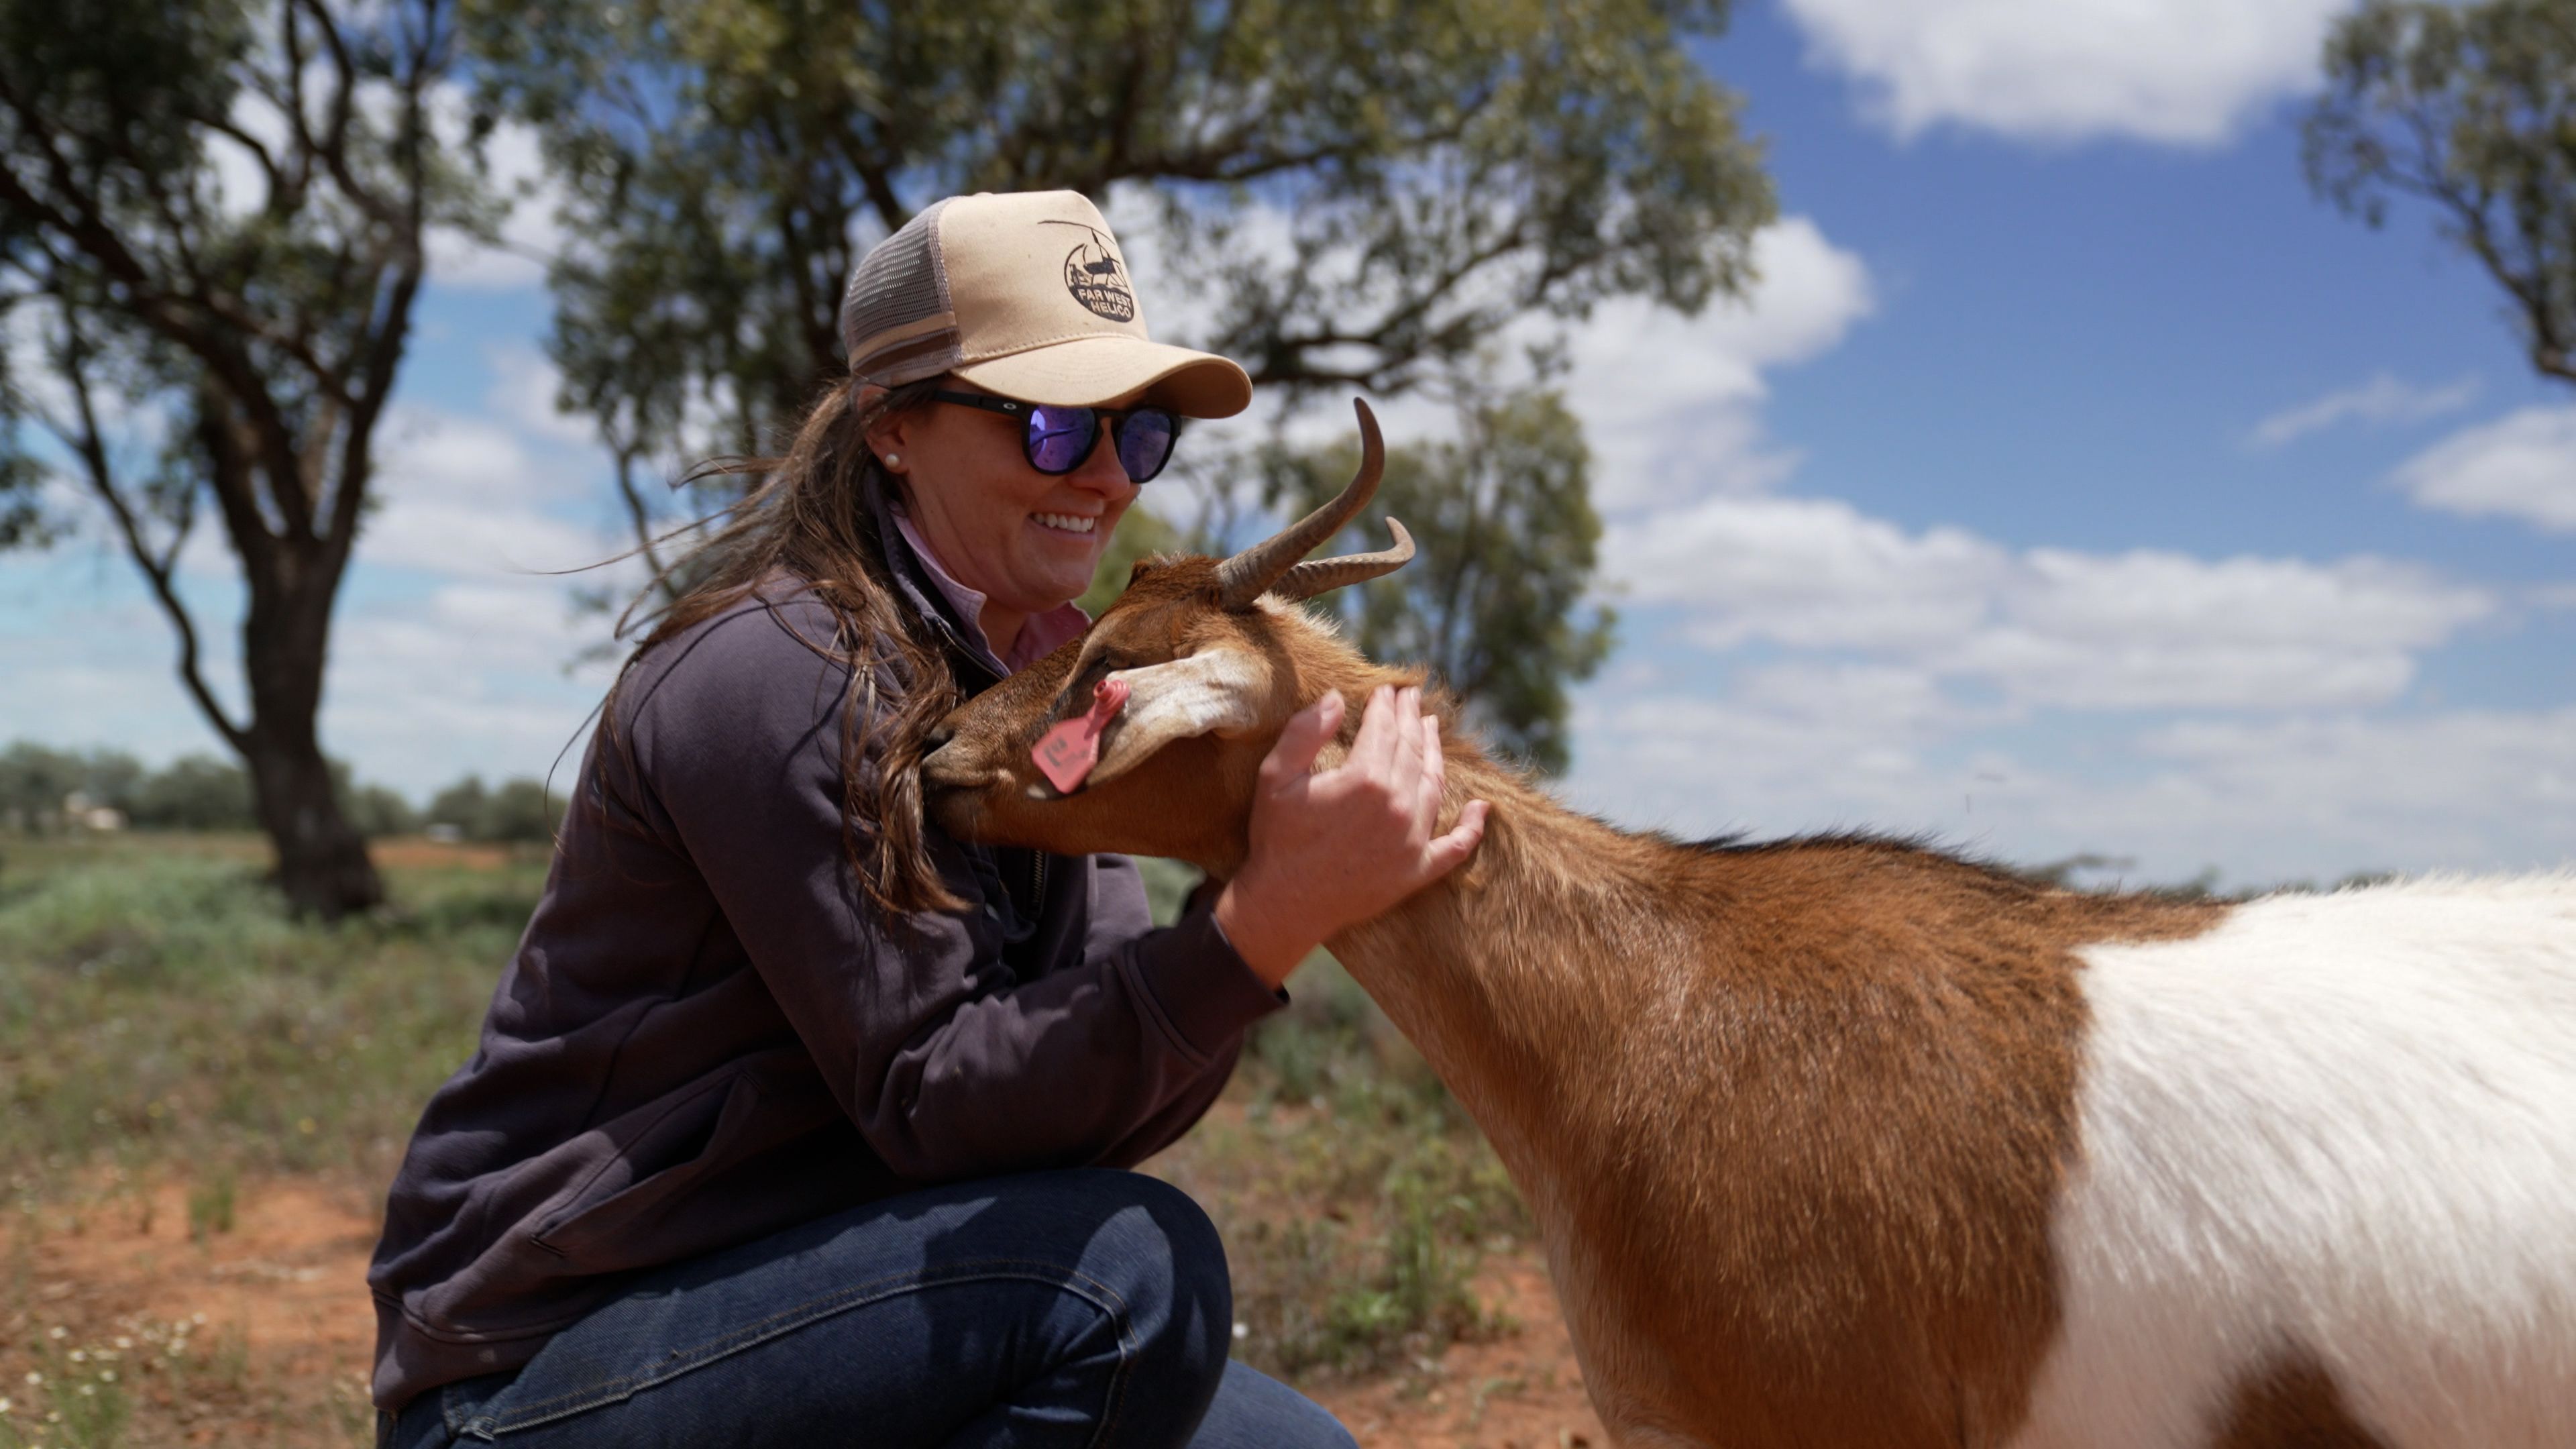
(1214, 658)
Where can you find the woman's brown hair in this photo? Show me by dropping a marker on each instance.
(811, 518)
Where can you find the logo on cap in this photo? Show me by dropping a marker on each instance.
(1096, 278)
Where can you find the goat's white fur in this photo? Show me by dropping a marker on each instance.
(2344, 1124)
(1215, 691)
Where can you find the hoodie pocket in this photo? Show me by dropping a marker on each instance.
(609, 1222)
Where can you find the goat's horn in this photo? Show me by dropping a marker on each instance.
(1249, 574)
(1314, 576)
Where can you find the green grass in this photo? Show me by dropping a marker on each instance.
(158, 1007)
(162, 1017)
(1355, 1197)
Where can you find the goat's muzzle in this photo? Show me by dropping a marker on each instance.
(952, 791)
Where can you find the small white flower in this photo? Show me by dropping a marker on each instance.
(34, 1378)
(79, 1357)
(1243, 1330)
(5, 1405)
(124, 1342)
(197, 1319)
(107, 1376)
(58, 1333)
(89, 1391)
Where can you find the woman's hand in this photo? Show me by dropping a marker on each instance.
(1332, 849)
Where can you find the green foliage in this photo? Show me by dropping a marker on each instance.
(211, 1204)
(459, 805)
(1140, 533)
(1495, 603)
(2471, 108)
(1360, 195)
(196, 792)
(1356, 1199)
(35, 781)
(376, 812)
(520, 810)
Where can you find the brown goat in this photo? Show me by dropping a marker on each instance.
(1823, 1136)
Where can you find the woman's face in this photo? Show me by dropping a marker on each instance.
(1026, 541)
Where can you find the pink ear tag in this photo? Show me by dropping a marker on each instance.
(1067, 751)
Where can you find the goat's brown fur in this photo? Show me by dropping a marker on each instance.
(1793, 1117)
(2292, 1403)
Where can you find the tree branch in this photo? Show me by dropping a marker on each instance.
(641, 515)
(147, 298)
(158, 569)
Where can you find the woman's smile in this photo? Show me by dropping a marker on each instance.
(1071, 523)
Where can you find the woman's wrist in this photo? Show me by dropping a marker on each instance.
(1268, 940)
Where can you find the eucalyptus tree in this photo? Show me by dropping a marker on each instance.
(213, 217)
(2470, 109)
(1376, 196)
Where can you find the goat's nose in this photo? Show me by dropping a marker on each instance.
(940, 734)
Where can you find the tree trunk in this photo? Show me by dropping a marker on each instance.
(322, 862)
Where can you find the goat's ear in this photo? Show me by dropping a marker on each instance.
(1216, 691)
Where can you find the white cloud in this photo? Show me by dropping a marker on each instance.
(2522, 465)
(2182, 72)
(491, 677)
(2383, 399)
(2305, 798)
(464, 496)
(2046, 627)
(525, 383)
(1669, 403)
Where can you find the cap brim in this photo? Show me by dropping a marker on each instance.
(1096, 370)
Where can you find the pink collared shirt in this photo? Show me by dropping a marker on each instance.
(1039, 633)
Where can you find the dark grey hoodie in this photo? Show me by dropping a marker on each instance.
(708, 1034)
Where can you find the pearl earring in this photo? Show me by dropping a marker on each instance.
(891, 460)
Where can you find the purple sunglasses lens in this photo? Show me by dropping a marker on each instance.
(1060, 438)
(1145, 442)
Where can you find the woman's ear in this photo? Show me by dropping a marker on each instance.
(888, 437)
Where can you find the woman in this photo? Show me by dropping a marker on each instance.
(795, 1122)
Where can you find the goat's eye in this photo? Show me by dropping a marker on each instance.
(1078, 694)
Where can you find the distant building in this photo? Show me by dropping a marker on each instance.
(81, 814)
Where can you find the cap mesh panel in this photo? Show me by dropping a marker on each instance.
(895, 288)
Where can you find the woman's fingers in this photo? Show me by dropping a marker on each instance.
(1369, 752)
(1451, 850)
(1435, 775)
(1406, 747)
(1293, 758)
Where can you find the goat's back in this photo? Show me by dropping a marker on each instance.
(2330, 1143)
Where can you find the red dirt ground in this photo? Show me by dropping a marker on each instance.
(279, 1331)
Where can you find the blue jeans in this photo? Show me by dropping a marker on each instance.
(1059, 1309)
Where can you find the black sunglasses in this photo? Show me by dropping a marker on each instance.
(1060, 438)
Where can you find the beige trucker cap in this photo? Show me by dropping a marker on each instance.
(1025, 294)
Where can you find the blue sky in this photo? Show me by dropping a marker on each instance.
(2073, 481)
